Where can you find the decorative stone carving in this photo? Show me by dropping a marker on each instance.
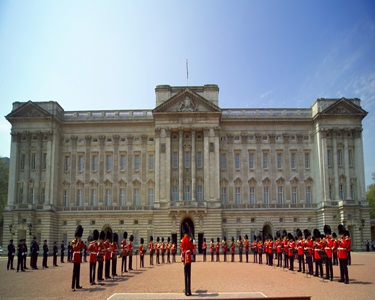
(187, 105)
(162, 147)
(272, 137)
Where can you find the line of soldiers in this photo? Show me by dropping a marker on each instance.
(242, 244)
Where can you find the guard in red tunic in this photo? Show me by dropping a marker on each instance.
(162, 250)
(142, 254)
(212, 246)
(232, 248)
(217, 249)
(260, 249)
(130, 252)
(286, 246)
(100, 257)
(174, 251)
(107, 254)
(318, 249)
(254, 249)
(308, 250)
(342, 253)
(270, 250)
(168, 248)
(77, 246)
(157, 249)
(247, 246)
(93, 250)
(204, 249)
(335, 246)
(291, 251)
(114, 249)
(240, 248)
(187, 248)
(279, 249)
(224, 247)
(124, 248)
(328, 248)
(151, 250)
(300, 249)
(347, 235)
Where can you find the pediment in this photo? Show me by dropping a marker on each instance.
(29, 110)
(344, 107)
(186, 101)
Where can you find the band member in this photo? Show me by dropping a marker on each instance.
(130, 252)
(34, 249)
(232, 249)
(20, 254)
(151, 250)
(107, 254)
(279, 249)
(270, 250)
(254, 249)
(328, 248)
(162, 250)
(335, 246)
(141, 254)
(55, 251)
(265, 246)
(318, 249)
(247, 245)
(342, 254)
(62, 250)
(212, 246)
(168, 248)
(45, 254)
(286, 246)
(93, 250)
(240, 248)
(187, 247)
(157, 249)
(77, 246)
(224, 246)
(204, 249)
(114, 249)
(308, 250)
(11, 253)
(260, 249)
(174, 251)
(291, 251)
(300, 248)
(124, 248)
(100, 256)
(217, 249)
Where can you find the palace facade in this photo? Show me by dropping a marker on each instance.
(225, 171)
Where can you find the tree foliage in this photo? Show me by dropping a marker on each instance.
(370, 196)
(4, 178)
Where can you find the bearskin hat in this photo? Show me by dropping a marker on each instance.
(290, 236)
(151, 238)
(218, 239)
(327, 229)
(285, 234)
(246, 237)
(299, 233)
(162, 239)
(102, 235)
(239, 238)
(306, 233)
(157, 239)
(131, 238)
(225, 239)
(278, 234)
(341, 229)
(258, 238)
(334, 235)
(169, 239)
(95, 234)
(125, 235)
(316, 233)
(142, 240)
(255, 237)
(347, 233)
(204, 239)
(108, 235)
(115, 237)
(270, 236)
(212, 240)
(79, 231)
(185, 228)
(232, 239)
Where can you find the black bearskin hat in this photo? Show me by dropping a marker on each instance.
(270, 236)
(125, 235)
(169, 239)
(299, 232)
(218, 239)
(341, 229)
(157, 239)
(151, 238)
(185, 228)
(95, 234)
(79, 231)
(212, 240)
(290, 236)
(347, 233)
(327, 229)
(102, 235)
(131, 238)
(162, 239)
(142, 240)
(246, 237)
(115, 237)
(239, 237)
(278, 234)
(225, 239)
(204, 239)
(334, 235)
(108, 235)
(255, 237)
(316, 233)
(232, 239)
(258, 238)
(285, 233)
(307, 233)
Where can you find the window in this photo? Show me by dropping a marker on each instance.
(22, 161)
(307, 160)
(107, 197)
(44, 161)
(279, 161)
(199, 159)
(223, 161)
(80, 163)
(252, 195)
(187, 159)
(251, 160)
(32, 195)
(350, 157)
(292, 160)
(329, 157)
(265, 195)
(223, 195)
(109, 163)
(123, 162)
(175, 160)
(174, 193)
(330, 192)
(186, 192)
(294, 195)
(352, 191)
(79, 197)
(66, 198)
(151, 162)
(94, 163)
(151, 196)
(237, 161)
(43, 196)
(238, 195)
(122, 196)
(341, 191)
(93, 197)
(33, 161)
(66, 163)
(136, 162)
(280, 192)
(200, 193)
(308, 195)
(339, 158)
(265, 160)
(136, 196)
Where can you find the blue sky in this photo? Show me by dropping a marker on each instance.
(111, 54)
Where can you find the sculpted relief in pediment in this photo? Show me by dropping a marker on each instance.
(187, 105)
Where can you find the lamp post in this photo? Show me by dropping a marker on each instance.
(11, 229)
(30, 226)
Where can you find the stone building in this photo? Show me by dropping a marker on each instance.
(225, 171)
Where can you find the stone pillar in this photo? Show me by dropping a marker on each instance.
(334, 164)
(206, 157)
(115, 190)
(49, 194)
(86, 198)
(180, 163)
(101, 195)
(346, 162)
(359, 163)
(217, 164)
(143, 199)
(193, 163)
(27, 169)
(167, 163)
(73, 173)
(15, 156)
(323, 162)
(38, 168)
(157, 164)
(129, 175)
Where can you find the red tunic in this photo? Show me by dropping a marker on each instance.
(224, 247)
(300, 246)
(260, 247)
(107, 252)
(187, 248)
(141, 250)
(317, 248)
(342, 252)
(309, 246)
(93, 249)
(329, 247)
(212, 248)
(217, 247)
(151, 247)
(124, 247)
(114, 249)
(291, 248)
(77, 246)
(130, 249)
(247, 244)
(232, 247)
(101, 250)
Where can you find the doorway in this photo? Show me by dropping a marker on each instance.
(190, 224)
(267, 230)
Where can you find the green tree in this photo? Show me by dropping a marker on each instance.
(370, 196)
(4, 178)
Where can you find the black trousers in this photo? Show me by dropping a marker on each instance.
(349, 259)
(107, 268)
(142, 261)
(344, 270)
(10, 262)
(255, 257)
(187, 273)
(162, 257)
(157, 258)
(45, 256)
(130, 262)
(151, 259)
(301, 263)
(247, 256)
(173, 257)
(310, 264)
(260, 258)
(76, 273)
(329, 268)
(286, 260)
(169, 256)
(240, 256)
(100, 270)
(114, 267)
(279, 259)
(270, 259)
(232, 259)
(217, 256)
(318, 266)
(24, 261)
(225, 256)
(335, 260)
(92, 271)
(20, 263)
(55, 259)
(212, 256)
(62, 257)
(204, 255)
(291, 264)
(123, 264)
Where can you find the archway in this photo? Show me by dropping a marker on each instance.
(190, 224)
(267, 230)
(107, 228)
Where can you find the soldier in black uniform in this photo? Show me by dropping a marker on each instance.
(20, 255)
(151, 249)
(34, 249)
(11, 252)
(55, 251)
(69, 252)
(62, 249)
(24, 256)
(45, 254)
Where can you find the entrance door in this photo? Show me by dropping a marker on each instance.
(200, 242)
(174, 239)
(267, 230)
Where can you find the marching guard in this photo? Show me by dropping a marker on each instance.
(300, 253)
(45, 254)
(291, 251)
(114, 250)
(217, 249)
(174, 251)
(335, 245)
(204, 249)
(34, 249)
(93, 250)
(247, 245)
(130, 252)
(255, 249)
(240, 248)
(285, 248)
(151, 250)
(328, 248)
(168, 247)
(20, 254)
(342, 254)
(187, 248)
(55, 251)
(260, 248)
(224, 248)
(162, 250)
(232, 249)
(77, 246)
(107, 254)
(124, 249)
(212, 246)
(318, 249)
(11, 253)
(308, 250)
(141, 254)
(100, 256)
(279, 249)
(157, 249)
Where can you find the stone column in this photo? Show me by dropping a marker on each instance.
(359, 163)
(49, 194)
(86, 198)
(101, 195)
(157, 164)
(258, 169)
(129, 175)
(180, 163)
(323, 163)
(217, 164)
(144, 187)
(167, 164)
(206, 165)
(38, 168)
(15, 156)
(27, 169)
(115, 189)
(334, 163)
(346, 162)
(73, 173)
(193, 163)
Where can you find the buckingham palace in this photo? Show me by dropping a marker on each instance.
(224, 171)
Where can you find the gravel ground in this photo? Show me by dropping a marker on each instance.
(207, 278)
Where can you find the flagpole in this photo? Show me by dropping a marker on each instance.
(187, 72)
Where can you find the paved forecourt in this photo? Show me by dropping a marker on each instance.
(210, 280)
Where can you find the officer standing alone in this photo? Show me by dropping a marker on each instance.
(187, 248)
